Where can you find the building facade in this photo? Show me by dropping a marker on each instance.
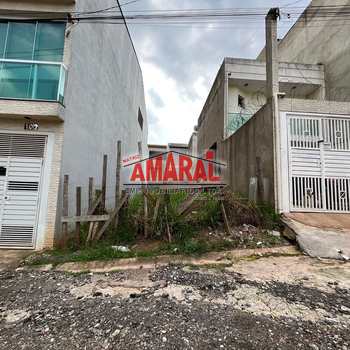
(283, 126)
(321, 36)
(68, 92)
(239, 91)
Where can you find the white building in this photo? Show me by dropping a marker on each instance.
(68, 93)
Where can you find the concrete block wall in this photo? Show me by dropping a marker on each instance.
(252, 140)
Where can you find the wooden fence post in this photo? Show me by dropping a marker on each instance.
(117, 179)
(104, 183)
(78, 213)
(65, 207)
(145, 203)
(91, 192)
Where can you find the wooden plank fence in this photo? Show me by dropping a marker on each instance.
(96, 216)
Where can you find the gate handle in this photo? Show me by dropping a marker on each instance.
(320, 141)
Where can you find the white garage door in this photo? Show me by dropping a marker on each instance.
(319, 163)
(21, 163)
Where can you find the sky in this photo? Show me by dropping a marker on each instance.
(180, 62)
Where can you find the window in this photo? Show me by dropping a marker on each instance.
(38, 41)
(49, 43)
(241, 101)
(23, 46)
(3, 34)
(140, 119)
(20, 41)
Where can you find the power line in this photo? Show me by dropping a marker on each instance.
(291, 3)
(193, 15)
(129, 2)
(247, 9)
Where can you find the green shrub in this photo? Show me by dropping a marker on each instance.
(270, 219)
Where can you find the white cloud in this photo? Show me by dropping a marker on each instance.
(179, 63)
(176, 119)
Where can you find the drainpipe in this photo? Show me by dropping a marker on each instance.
(272, 91)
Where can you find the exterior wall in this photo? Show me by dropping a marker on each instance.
(312, 106)
(193, 144)
(179, 148)
(253, 101)
(154, 150)
(211, 123)
(50, 116)
(36, 109)
(37, 5)
(103, 95)
(216, 121)
(49, 197)
(104, 92)
(327, 41)
(252, 140)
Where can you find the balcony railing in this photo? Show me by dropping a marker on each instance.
(32, 80)
(235, 121)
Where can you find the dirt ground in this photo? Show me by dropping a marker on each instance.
(292, 302)
(11, 258)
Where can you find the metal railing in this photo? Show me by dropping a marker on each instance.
(235, 121)
(32, 80)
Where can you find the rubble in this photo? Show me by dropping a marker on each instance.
(175, 307)
(122, 249)
(15, 316)
(274, 233)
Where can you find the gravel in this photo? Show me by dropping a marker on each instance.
(39, 311)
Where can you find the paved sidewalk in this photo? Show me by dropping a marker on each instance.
(225, 258)
(322, 235)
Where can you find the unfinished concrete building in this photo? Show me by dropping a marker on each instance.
(283, 127)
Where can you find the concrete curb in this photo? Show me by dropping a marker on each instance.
(226, 258)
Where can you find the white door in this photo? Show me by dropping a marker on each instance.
(21, 164)
(319, 163)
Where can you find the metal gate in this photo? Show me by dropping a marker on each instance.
(319, 163)
(21, 163)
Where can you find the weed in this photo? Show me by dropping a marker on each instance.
(270, 219)
(192, 267)
(218, 266)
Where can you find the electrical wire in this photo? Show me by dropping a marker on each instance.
(291, 3)
(129, 2)
(194, 16)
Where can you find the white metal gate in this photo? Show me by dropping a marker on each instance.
(319, 163)
(21, 163)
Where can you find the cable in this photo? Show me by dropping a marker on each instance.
(196, 17)
(247, 9)
(291, 4)
(97, 11)
(129, 2)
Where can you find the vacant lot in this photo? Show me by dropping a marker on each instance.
(269, 303)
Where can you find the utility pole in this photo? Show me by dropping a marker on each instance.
(272, 92)
(272, 62)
